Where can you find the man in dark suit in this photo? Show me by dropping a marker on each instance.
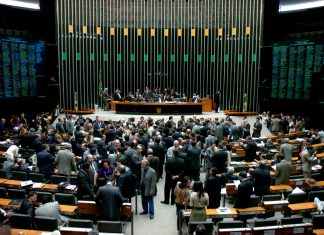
(85, 187)
(116, 95)
(219, 158)
(93, 168)
(45, 162)
(174, 169)
(193, 161)
(27, 206)
(245, 190)
(213, 187)
(250, 149)
(159, 151)
(109, 199)
(257, 127)
(126, 183)
(262, 179)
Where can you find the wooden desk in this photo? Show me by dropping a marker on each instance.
(16, 231)
(320, 155)
(318, 184)
(280, 188)
(297, 183)
(215, 213)
(2, 180)
(50, 187)
(156, 108)
(305, 206)
(273, 206)
(250, 211)
(318, 231)
(68, 210)
(318, 145)
(88, 207)
(304, 228)
(12, 183)
(4, 202)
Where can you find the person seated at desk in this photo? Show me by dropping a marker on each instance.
(116, 95)
(4, 215)
(20, 166)
(244, 191)
(130, 97)
(195, 98)
(28, 205)
(51, 209)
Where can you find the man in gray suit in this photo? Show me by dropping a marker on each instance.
(286, 150)
(283, 170)
(306, 159)
(65, 161)
(148, 188)
(219, 131)
(93, 168)
(109, 199)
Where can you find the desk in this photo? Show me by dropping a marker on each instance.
(318, 184)
(54, 188)
(250, 211)
(320, 155)
(11, 183)
(157, 108)
(318, 231)
(2, 180)
(4, 202)
(74, 231)
(305, 206)
(68, 210)
(16, 231)
(280, 188)
(304, 228)
(318, 145)
(273, 206)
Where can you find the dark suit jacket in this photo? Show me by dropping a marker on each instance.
(126, 184)
(27, 208)
(213, 187)
(193, 158)
(45, 162)
(84, 185)
(250, 151)
(109, 199)
(245, 190)
(159, 151)
(174, 166)
(262, 181)
(219, 160)
(116, 96)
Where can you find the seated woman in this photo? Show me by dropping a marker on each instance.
(105, 169)
(199, 200)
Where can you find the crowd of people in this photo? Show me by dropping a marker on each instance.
(114, 160)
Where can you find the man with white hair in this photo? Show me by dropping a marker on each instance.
(170, 150)
(12, 151)
(286, 149)
(148, 188)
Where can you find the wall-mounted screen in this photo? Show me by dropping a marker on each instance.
(22, 65)
(292, 67)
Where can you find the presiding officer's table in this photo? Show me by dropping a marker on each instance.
(157, 108)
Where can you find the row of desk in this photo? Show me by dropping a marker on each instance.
(44, 187)
(63, 231)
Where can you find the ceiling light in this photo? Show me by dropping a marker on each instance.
(301, 6)
(22, 4)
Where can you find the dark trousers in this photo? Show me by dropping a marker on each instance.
(161, 166)
(147, 204)
(169, 185)
(195, 174)
(179, 208)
